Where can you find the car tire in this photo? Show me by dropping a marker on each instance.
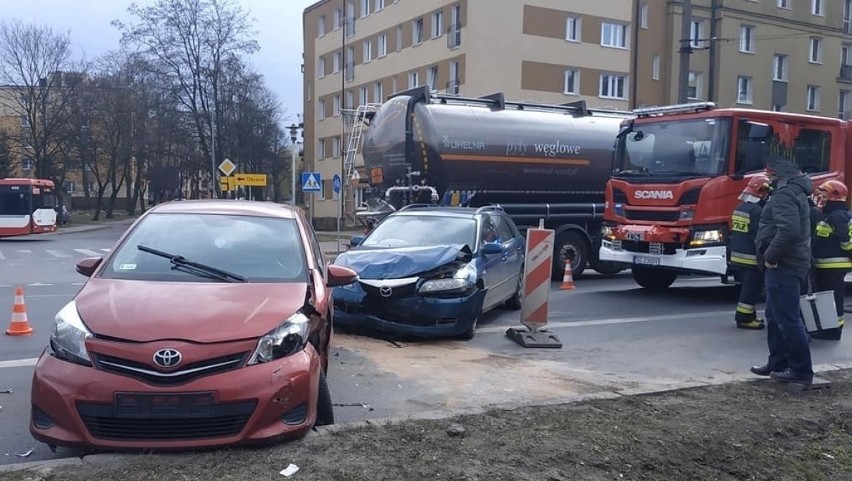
(471, 331)
(516, 301)
(654, 279)
(325, 409)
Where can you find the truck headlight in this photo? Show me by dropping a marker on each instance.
(463, 280)
(607, 232)
(288, 338)
(68, 340)
(706, 237)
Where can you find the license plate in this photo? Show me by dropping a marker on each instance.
(646, 261)
(166, 405)
(635, 236)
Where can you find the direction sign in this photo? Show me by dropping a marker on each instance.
(335, 183)
(227, 167)
(311, 182)
(250, 180)
(227, 184)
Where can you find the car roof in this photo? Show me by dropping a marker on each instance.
(226, 207)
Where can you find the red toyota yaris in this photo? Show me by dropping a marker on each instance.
(208, 324)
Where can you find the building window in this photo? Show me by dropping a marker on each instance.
(378, 92)
(844, 54)
(437, 24)
(694, 88)
(614, 35)
(368, 50)
(413, 79)
(380, 5)
(335, 62)
(815, 52)
(843, 105)
(695, 33)
(432, 78)
(643, 15)
(417, 32)
(25, 121)
(321, 109)
(335, 147)
(365, 8)
(454, 82)
(655, 68)
(321, 148)
(321, 26)
(338, 14)
(744, 90)
(382, 45)
(394, 85)
(612, 86)
(336, 105)
(27, 163)
(572, 81)
(747, 38)
(321, 67)
(813, 98)
(817, 8)
(572, 29)
(349, 100)
(784, 4)
(399, 38)
(363, 96)
(779, 69)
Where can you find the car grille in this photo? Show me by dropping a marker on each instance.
(391, 313)
(396, 291)
(659, 215)
(669, 248)
(148, 374)
(226, 420)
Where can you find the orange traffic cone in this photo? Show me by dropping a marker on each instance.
(19, 326)
(567, 278)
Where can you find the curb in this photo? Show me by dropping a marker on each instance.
(435, 415)
(93, 227)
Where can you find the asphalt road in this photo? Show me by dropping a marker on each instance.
(616, 338)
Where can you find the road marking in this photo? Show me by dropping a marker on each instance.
(2, 257)
(25, 251)
(19, 363)
(106, 250)
(56, 253)
(87, 252)
(617, 320)
(38, 284)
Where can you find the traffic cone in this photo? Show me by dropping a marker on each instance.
(567, 278)
(19, 326)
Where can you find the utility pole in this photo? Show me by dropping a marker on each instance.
(213, 148)
(714, 30)
(685, 52)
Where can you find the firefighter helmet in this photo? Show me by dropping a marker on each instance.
(758, 186)
(833, 190)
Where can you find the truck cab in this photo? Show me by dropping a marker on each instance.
(677, 173)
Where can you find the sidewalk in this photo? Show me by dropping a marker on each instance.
(73, 229)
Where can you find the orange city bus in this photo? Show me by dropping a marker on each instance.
(27, 206)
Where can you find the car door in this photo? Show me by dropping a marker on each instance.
(513, 251)
(492, 266)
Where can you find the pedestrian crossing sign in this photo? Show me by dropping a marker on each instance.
(311, 182)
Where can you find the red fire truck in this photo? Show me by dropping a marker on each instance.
(27, 206)
(677, 173)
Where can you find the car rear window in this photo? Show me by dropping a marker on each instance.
(262, 249)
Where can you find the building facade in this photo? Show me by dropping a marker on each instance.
(359, 52)
(786, 55)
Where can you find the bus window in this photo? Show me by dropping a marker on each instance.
(14, 200)
(44, 199)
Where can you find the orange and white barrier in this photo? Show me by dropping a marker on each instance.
(19, 326)
(567, 278)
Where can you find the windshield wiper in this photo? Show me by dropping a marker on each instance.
(196, 268)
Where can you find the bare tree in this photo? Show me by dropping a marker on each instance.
(189, 41)
(38, 62)
(5, 155)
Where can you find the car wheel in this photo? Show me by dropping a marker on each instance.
(471, 331)
(325, 409)
(516, 300)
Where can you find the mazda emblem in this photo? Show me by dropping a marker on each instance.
(386, 291)
(167, 357)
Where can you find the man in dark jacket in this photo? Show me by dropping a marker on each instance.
(783, 250)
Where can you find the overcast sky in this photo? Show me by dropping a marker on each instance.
(279, 27)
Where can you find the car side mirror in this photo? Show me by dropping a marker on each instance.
(89, 265)
(356, 240)
(340, 276)
(491, 248)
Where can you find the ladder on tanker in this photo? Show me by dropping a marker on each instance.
(359, 119)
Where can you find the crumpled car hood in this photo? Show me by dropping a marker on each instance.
(396, 263)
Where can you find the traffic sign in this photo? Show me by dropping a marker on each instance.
(250, 180)
(226, 183)
(311, 182)
(335, 184)
(227, 167)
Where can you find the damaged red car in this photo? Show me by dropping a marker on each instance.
(209, 324)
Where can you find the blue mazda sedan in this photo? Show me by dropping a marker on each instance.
(432, 271)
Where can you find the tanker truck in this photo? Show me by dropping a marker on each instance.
(536, 161)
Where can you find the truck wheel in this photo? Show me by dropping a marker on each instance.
(652, 278)
(569, 245)
(606, 268)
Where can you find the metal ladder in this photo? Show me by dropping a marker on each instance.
(359, 117)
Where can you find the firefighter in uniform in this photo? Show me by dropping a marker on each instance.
(832, 248)
(744, 223)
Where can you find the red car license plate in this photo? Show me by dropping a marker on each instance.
(164, 405)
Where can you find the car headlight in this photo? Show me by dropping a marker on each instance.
(68, 340)
(462, 280)
(706, 237)
(288, 338)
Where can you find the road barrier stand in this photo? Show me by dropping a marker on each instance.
(538, 266)
(19, 326)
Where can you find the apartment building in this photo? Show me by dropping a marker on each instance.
(786, 55)
(361, 51)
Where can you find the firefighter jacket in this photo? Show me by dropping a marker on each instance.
(830, 242)
(744, 223)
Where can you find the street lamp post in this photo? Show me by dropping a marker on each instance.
(294, 147)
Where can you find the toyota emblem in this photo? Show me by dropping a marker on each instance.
(386, 291)
(167, 357)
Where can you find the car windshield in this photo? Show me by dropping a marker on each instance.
(259, 249)
(676, 147)
(423, 230)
